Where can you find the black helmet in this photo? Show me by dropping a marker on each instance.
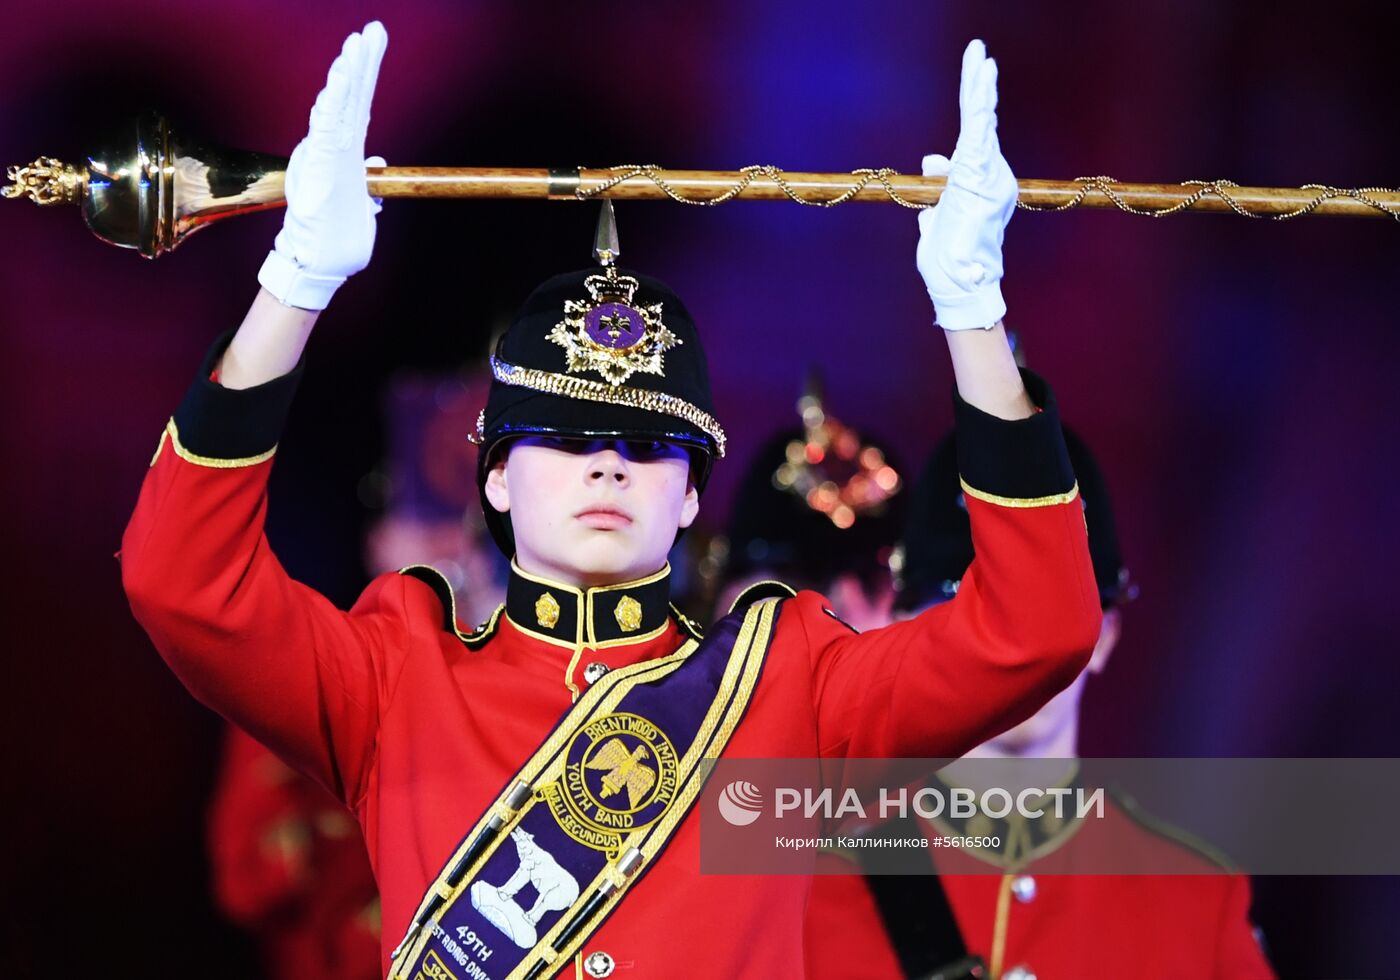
(599, 353)
(815, 502)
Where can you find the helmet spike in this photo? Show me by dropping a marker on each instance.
(605, 248)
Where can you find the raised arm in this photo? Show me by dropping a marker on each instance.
(1021, 627)
(1027, 614)
(328, 233)
(959, 252)
(267, 652)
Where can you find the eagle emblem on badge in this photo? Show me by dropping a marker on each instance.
(610, 333)
(624, 770)
(620, 775)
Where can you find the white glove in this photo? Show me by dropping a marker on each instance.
(960, 237)
(328, 233)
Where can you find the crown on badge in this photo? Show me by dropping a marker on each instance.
(609, 332)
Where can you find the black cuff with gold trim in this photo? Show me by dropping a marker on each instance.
(227, 423)
(1025, 458)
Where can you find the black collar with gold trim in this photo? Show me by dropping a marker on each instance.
(605, 615)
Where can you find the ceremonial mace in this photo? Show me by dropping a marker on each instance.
(155, 188)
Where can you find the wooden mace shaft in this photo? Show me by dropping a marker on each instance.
(700, 185)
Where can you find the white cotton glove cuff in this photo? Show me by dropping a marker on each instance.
(960, 242)
(976, 309)
(294, 286)
(291, 281)
(981, 311)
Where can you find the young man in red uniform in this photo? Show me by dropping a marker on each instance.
(525, 789)
(1021, 908)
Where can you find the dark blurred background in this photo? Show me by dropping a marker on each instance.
(1233, 376)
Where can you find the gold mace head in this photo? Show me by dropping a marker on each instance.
(151, 188)
(45, 181)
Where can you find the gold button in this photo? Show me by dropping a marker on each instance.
(629, 614)
(547, 611)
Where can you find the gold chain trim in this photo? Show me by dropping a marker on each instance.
(864, 176)
(1215, 188)
(583, 389)
(653, 173)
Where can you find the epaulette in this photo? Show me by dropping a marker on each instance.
(1161, 828)
(767, 589)
(688, 626)
(436, 581)
(477, 638)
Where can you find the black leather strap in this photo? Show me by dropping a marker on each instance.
(915, 911)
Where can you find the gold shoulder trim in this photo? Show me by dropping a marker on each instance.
(209, 461)
(479, 636)
(688, 626)
(436, 581)
(1161, 828)
(762, 589)
(1022, 502)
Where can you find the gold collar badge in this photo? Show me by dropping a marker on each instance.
(547, 610)
(628, 614)
(611, 334)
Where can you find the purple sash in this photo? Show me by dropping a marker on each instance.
(589, 813)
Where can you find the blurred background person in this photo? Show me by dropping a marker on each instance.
(289, 867)
(818, 507)
(431, 512)
(1033, 917)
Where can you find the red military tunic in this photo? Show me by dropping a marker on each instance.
(1040, 921)
(417, 731)
(289, 866)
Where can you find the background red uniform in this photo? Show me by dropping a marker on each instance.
(289, 866)
(1041, 920)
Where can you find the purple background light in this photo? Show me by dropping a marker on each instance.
(1233, 376)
